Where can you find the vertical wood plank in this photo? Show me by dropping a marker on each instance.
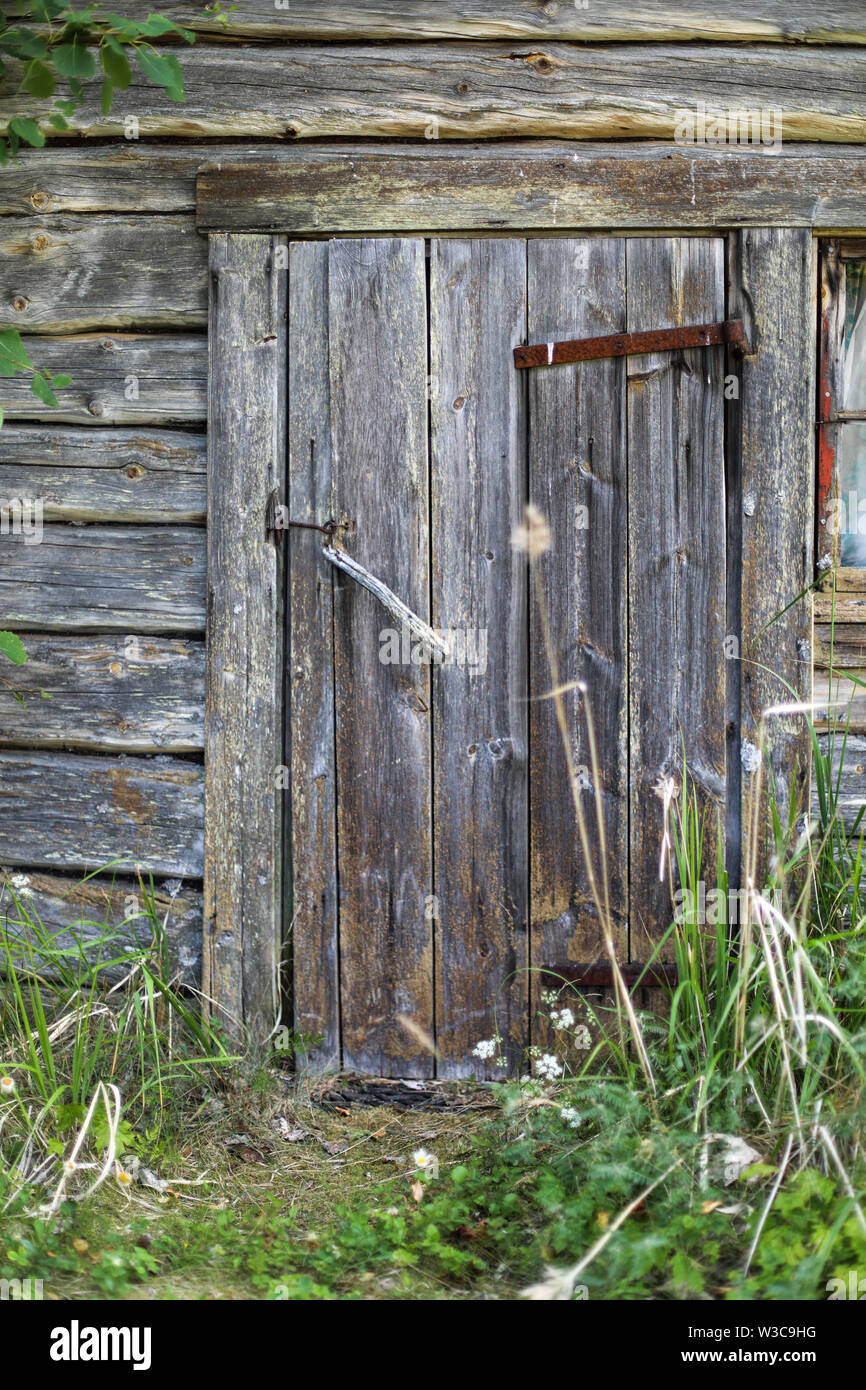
(378, 377)
(773, 287)
(478, 487)
(577, 477)
(243, 721)
(677, 586)
(310, 666)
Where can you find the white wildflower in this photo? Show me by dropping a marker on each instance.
(21, 884)
(69, 1166)
(562, 1018)
(7, 1086)
(484, 1049)
(423, 1159)
(548, 1066)
(582, 1039)
(570, 1115)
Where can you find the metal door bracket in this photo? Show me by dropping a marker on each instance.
(732, 333)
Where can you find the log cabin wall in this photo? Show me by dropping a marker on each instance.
(103, 269)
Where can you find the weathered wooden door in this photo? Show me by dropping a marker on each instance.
(435, 860)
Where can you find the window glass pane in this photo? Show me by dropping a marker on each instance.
(854, 382)
(851, 506)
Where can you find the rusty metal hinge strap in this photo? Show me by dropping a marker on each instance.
(731, 332)
(658, 975)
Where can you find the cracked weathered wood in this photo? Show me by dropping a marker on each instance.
(784, 21)
(469, 91)
(430, 186)
(310, 665)
(106, 475)
(577, 478)
(377, 323)
(243, 713)
(69, 811)
(480, 751)
(532, 185)
(772, 280)
(71, 274)
(677, 558)
(105, 578)
(118, 379)
(79, 916)
(109, 694)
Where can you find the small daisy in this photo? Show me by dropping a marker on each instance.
(7, 1086)
(123, 1177)
(69, 1166)
(423, 1159)
(548, 1066)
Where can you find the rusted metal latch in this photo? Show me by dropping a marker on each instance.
(732, 332)
(600, 974)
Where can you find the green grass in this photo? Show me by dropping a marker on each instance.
(611, 1174)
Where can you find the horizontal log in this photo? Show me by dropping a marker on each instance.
(436, 188)
(842, 704)
(65, 810)
(466, 91)
(118, 379)
(99, 921)
(783, 21)
(149, 579)
(843, 609)
(106, 475)
(851, 780)
(650, 185)
(70, 274)
(843, 645)
(128, 177)
(109, 694)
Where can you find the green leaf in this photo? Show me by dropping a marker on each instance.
(74, 59)
(1, 417)
(13, 352)
(59, 122)
(12, 647)
(164, 71)
(58, 382)
(38, 79)
(39, 386)
(27, 130)
(106, 95)
(157, 24)
(116, 66)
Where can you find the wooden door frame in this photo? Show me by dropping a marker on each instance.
(770, 206)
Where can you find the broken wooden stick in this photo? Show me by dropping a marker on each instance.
(389, 600)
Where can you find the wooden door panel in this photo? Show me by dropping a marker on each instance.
(478, 488)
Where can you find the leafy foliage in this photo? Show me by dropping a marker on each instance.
(75, 46)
